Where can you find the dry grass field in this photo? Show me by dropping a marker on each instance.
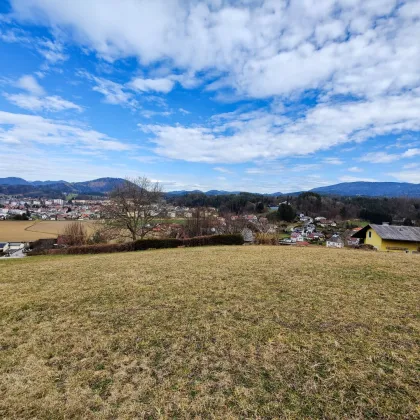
(14, 230)
(220, 332)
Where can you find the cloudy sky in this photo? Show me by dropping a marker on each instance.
(256, 95)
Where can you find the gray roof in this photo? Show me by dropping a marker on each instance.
(398, 233)
(335, 239)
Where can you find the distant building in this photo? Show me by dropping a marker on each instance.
(335, 242)
(391, 238)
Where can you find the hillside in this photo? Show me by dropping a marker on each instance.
(105, 185)
(21, 186)
(372, 189)
(238, 332)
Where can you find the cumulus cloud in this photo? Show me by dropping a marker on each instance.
(355, 169)
(36, 99)
(22, 129)
(357, 59)
(247, 136)
(151, 85)
(30, 84)
(114, 93)
(51, 50)
(47, 103)
(360, 47)
(407, 176)
(382, 157)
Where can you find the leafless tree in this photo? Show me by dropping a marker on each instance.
(199, 224)
(75, 234)
(133, 207)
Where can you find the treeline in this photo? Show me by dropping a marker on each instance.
(375, 210)
(229, 203)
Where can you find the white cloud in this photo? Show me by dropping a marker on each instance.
(22, 129)
(114, 93)
(355, 169)
(184, 111)
(356, 179)
(222, 170)
(411, 153)
(359, 47)
(147, 113)
(407, 176)
(47, 103)
(51, 50)
(37, 100)
(151, 85)
(411, 166)
(30, 84)
(241, 137)
(380, 157)
(333, 161)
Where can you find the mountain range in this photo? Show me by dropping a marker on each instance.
(13, 185)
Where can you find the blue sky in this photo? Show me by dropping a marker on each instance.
(248, 95)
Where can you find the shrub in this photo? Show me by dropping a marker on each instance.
(233, 239)
(143, 244)
(266, 239)
(75, 234)
(98, 249)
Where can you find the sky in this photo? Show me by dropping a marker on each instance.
(239, 95)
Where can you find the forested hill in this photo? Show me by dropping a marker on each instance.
(13, 185)
(372, 189)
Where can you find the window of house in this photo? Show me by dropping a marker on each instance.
(370, 234)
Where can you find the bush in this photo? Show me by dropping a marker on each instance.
(143, 244)
(98, 249)
(266, 239)
(234, 239)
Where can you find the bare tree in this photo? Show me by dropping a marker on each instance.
(133, 207)
(75, 234)
(199, 224)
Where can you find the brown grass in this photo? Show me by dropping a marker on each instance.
(16, 230)
(221, 332)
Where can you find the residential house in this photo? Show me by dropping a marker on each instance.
(391, 238)
(297, 237)
(335, 242)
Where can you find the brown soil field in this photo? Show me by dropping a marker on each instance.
(18, 231)
(214, 332)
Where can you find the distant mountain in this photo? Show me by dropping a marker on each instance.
(48, 182)
(372, 189)
(100, 186)
(21, 186)
(13, 181)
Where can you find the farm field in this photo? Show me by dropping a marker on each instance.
(11, 230)
(216, 332)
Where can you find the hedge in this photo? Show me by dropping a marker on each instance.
(214, 240)
(144, 244)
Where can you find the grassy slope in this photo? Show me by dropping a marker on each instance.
(227, 332)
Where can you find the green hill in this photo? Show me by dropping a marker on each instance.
(222, 332)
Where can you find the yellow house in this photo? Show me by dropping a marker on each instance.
(391, 238)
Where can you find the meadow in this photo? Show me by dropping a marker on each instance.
(216, 332)
(27, 231)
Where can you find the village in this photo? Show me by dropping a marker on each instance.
(184, 222)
